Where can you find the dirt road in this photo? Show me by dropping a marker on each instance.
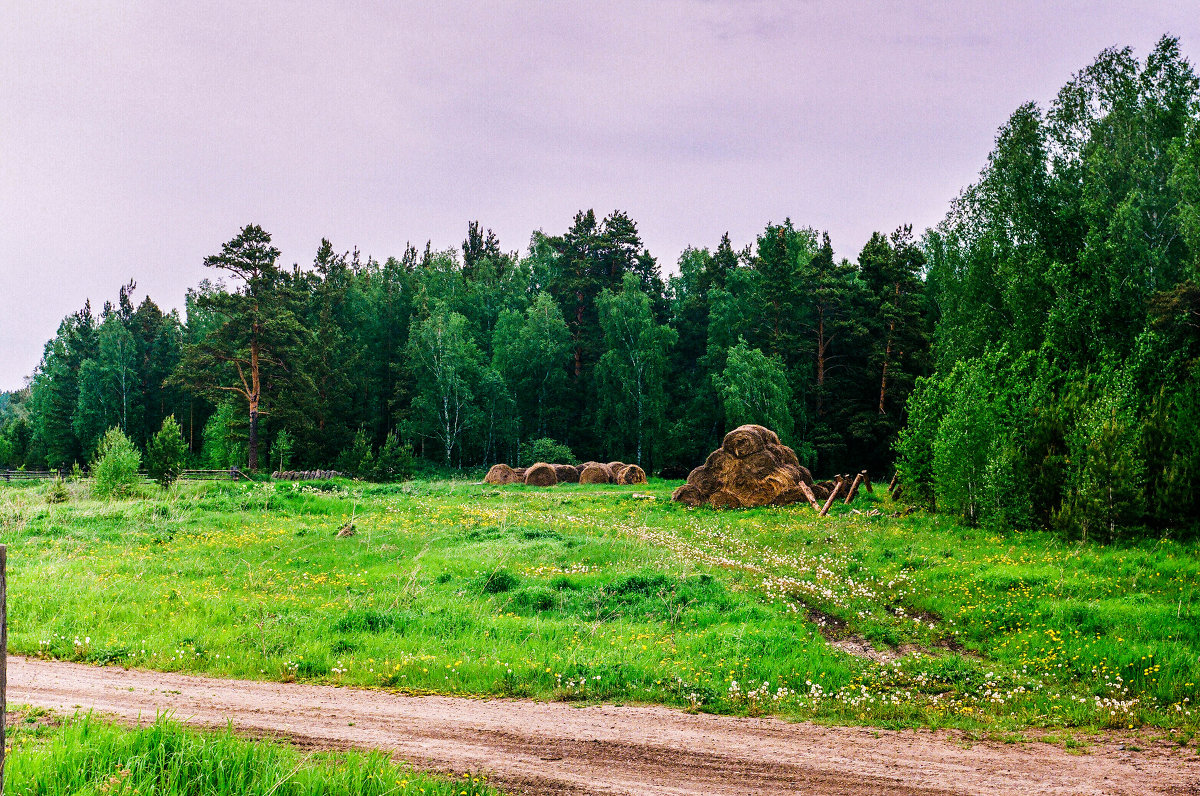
(554, 748)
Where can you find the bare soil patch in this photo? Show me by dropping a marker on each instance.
(554, 748)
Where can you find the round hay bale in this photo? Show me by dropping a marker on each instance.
(759, 465)
(541, 474)
(566, 473)
(631, 474)
(615, 468)
(724, 499)
(788, 455)
(805, 474)
(687, 495)
(720, 464)
(703, 480)
(790, 496)
(500, 474)
(595, 474)
(584, 466)
(746, 440)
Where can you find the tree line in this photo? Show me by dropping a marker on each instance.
(1031, 361)
(1065, 291)
(469, 356)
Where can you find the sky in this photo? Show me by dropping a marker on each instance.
(137, 137)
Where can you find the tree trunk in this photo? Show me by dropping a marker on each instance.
(887, 353)
(252, 441)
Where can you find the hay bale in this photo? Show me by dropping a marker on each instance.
(687, 495)
(614, 469)
(631, 474)
(566, 473)
(541, 474)
(753, 468)
(500, 474)
(584, 466)
(595, 474)
(724, 499)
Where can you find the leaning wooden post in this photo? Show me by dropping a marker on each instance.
(833, 493)
(854, 488)
(812, 499)
(892, 485)
(867, 482)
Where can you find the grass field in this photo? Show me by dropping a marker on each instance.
(602, 593)
(84, 756)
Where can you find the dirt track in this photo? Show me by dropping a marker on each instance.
(552, 748)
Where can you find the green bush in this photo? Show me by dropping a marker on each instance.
(115, 470)
(165, 453)
(393, 461)
(546, 450)
(58, 492)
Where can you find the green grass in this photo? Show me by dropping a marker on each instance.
(590, 593)
(87, 757)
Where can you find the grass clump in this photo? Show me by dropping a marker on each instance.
(91, 757)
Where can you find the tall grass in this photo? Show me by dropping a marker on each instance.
(88, 757)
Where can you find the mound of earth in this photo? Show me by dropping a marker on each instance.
(751, 468)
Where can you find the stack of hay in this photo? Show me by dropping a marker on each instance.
(543, 474)
(751, 468)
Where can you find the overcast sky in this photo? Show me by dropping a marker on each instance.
(136, 137)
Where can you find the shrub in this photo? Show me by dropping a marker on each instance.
(115, 470)
(546, 450)
(58, 492)
(357, 460)
(393, 461)
(165, 453)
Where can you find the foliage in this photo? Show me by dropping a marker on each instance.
(115, 468)
(165, 453)
(754, 389)
(545, 449)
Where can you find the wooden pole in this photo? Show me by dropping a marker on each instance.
(854, 488)
(812, 499)
(892, 485)
(867, 482)
(833, 493)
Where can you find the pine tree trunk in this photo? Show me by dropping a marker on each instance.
(252, 442)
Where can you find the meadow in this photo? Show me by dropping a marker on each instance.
(603, 593)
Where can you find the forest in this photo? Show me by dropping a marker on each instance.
(1031, 361)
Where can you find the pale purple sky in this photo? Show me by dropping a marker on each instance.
(136, 137)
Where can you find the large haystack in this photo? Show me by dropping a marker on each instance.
(631, 474)
(501, 474)
(566, 473)
(595, 474)
(541, 474)
(751, 468)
